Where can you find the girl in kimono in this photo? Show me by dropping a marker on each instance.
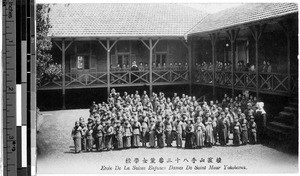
(245, 126)
(199, 130)
(260, 119)
(209, 132)
(222, 129)
(99, 135)
(144, 132)
(184, 124)
(89, 139)
(152, 131)
(160, 133)
(83, 138)
(168, 131)
(189, 135)
(109, 135)
(119, 135)
(127, 134)
(215, 128)
(178, 128)
(136, 127)
(252, 131)
(77, 135)
(236, 132)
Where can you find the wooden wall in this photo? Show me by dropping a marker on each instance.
(174, 49)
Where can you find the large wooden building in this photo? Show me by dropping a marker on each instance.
(97, 43)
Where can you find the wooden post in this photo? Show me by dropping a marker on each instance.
(256, 32)
(108, 66)
(150, 67)
(213, 39)
(289, 62)
(108, 48)
(63, 49)
(63, 74)
(233, 34)
(190, 65)
(287, 27)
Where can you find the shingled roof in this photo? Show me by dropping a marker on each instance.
(243, 14)
(117, 20)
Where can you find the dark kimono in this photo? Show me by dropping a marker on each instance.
(260, 119)
(236, 133)
(83, 139)
(252, 132)
(184, 124)
(244, 126)
(160, 134)
(77, 135)
(222, 131)
(189, 138)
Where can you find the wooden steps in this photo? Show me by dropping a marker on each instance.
(286, 123)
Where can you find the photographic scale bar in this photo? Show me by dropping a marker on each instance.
(18, 54)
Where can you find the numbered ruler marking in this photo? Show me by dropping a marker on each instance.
(9, 88)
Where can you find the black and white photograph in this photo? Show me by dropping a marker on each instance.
(166, 88)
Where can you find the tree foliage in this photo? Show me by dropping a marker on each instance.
(47, 69)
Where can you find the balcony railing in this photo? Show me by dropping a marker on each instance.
(267, 82)
(126, 77)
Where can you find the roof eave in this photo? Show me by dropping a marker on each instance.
(248, 23)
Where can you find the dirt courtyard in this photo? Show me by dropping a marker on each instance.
(56, 156)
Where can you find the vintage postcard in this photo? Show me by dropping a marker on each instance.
(167, 88)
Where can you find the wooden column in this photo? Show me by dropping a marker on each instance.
(150, 67)
(63, 74)
(190, 65)
(63, 48)
(213, 38)
(256, 32)
(108, 48)
(286, 25)
(233, 34)
(108, 65)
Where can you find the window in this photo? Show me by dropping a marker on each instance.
(161, 58)
(83, 62)
(161, 51)
(123, 59)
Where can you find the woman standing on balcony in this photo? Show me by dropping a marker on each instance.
(134, 68)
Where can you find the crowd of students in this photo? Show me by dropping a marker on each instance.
(155, 66)
(131, 121)
(226, 66)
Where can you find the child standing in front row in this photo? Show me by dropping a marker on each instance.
(89, 138)
(252, 131)
(236, 133)
(76, 135)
